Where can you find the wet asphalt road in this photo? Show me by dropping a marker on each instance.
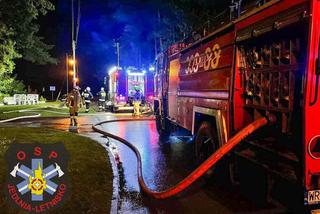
(166, 161)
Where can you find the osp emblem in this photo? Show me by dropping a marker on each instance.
(37, 178)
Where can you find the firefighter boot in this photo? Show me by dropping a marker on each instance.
(87, 107)
(75, 121)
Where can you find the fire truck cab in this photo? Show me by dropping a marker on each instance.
(264, 61)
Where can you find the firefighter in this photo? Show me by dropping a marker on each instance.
(87, 97)
(136, 103)
(74, 103)
(102, 99)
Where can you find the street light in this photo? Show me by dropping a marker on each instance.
(72, 69)
(67, 70)
(71, 62)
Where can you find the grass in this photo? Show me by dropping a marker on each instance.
(14, 111)
(14, 114)
(49, 109)
(88, 168)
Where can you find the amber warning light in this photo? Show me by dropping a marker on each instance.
(314, 147)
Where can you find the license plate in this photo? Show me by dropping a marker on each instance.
(313, 197)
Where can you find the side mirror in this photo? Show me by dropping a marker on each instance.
(317, 78)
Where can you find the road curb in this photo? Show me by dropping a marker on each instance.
(115, 193)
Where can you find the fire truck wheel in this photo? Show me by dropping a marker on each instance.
(206, 142)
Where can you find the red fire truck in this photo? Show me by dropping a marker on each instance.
(264, 61)
(123, 85)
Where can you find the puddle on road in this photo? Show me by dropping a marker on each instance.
(174, 163)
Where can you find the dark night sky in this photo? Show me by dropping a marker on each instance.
(102, 21)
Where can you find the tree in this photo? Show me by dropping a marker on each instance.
(7, 50)
(178, 19)
(7, 54)
(20, 17)
(19, 39)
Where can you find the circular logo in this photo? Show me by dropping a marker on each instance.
(37, 179)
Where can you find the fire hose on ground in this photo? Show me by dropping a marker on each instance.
(198, 172)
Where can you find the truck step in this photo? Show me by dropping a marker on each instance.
(275, 148)
(272, 156)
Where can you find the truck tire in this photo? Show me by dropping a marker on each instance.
(206, 142)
